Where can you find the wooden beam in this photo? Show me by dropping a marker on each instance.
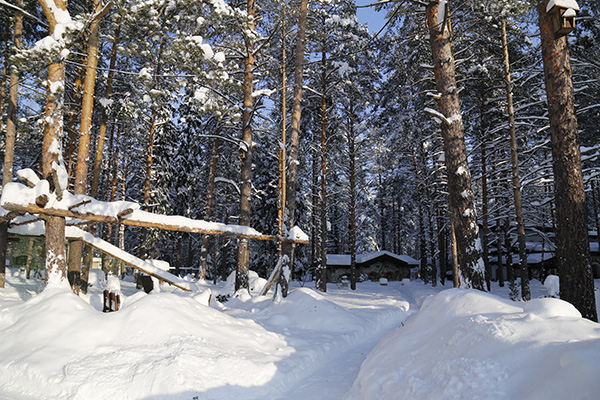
(9, 216)
(166, 222)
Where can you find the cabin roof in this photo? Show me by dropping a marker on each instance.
(344, 259)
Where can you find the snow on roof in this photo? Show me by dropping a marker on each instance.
(562, 3)
(296, 233)
(344, 259)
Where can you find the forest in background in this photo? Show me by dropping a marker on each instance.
(170, 103)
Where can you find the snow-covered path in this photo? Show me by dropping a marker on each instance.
(335, 377)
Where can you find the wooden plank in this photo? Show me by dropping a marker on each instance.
(74, 233)
(127, 258)
(9, 216)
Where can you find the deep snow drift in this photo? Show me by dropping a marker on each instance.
(441, 344)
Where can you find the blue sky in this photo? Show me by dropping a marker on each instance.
(374, 19)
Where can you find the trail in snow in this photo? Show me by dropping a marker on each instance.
(334, 378)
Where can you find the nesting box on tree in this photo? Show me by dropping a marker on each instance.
(563, 13)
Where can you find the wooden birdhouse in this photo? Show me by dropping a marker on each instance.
(562, 13)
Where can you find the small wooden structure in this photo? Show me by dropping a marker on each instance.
(375, 265)
(112, 301)
(37, 201)
(563, 13)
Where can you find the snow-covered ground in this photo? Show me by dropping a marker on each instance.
(401, 341)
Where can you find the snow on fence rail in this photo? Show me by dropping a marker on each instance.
(20, 199)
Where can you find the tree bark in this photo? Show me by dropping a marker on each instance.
(381, 202)
(83, 150)
(71, 123)
(422, 239)
(500, 266)
(322, 268)
(281, 199)
(291, 183)
(209, 207)
(241, 277)
(9, 143)
(352, 178)
(104, 120)
(432, 266)
(594, 184)
(56, 269)
(572, 247)
(461, 202)
(516, 182)
(442, 247)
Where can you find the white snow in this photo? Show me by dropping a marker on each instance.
(61, 173)
(441, 15)
(562, 3)
(28, 175)
(552, 283)
(461, 170)
(296, 233)
(442, 344)
(465, 344)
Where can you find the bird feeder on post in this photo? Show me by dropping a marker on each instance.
(563, 14)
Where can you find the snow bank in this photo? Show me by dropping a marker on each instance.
(306, 309)
(56, 346)
(465, 344)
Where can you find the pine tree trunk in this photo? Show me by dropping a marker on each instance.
(432, 264)
(484, 191)
(85, 127)
(381, 202)
(596, 216)
(422, 239)
(208, 214)
(113, 178)
(314, 233)
(97, 168)
(291, 183)
(282, 159)
(510, 273)
(442, 245)
(322, 268)
(4, 77)
(56, 268)
(572, 246)
(461, 202)
(282, 181)
(241, 277)
(525, 290)
(352, 178)
(485, 212)
(9, 143)
(71, 124)
(500, 266)
(455, 273)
